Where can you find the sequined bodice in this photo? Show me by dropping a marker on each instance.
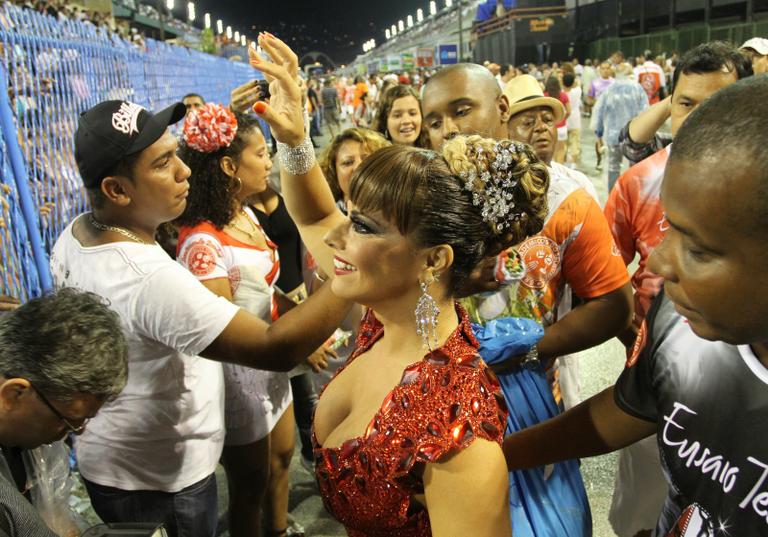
(440, 406)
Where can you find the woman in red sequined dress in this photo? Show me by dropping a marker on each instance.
(408, 443)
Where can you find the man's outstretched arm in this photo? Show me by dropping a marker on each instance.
(594, 427)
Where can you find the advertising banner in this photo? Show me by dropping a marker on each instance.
(406, 59)
(449, 54)
(425, 57)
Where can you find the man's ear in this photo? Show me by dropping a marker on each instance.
(502, 105)
(115, 189)
(12, 392)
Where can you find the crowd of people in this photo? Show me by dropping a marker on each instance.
(450, 229)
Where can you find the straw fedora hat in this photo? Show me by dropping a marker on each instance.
(524, 92)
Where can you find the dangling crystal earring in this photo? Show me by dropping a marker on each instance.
(426, 318)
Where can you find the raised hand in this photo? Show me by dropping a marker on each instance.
(243, 97)
(284, 113)
(8, 303)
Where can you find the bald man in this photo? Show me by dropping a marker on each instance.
(464, 99)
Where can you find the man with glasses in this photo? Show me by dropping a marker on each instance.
(61, 357)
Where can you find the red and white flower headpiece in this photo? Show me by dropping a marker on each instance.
(209, 128)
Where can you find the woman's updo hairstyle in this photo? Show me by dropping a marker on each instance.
(212, 193)
(479, 196)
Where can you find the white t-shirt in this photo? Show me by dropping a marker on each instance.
(558, 173)
(574, 97)
(165, 431)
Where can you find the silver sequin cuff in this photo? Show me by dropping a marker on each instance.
(297, 160)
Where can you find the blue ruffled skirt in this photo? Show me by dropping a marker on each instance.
(544, 502)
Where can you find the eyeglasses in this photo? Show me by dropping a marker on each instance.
(73, 429)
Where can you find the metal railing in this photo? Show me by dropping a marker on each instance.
(53, 70)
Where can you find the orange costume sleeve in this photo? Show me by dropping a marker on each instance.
(618, 213)
(592, 264)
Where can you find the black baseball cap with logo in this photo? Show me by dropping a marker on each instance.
(112, 130)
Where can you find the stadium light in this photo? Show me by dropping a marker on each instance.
(237, 36)
(219, 27)
(394, 30)
(400, 25)
(169, 4)
(387, 33)
(243, 40)
(207, 19)
(433, 8)
(410, 21)
(448, 3)
(229, 32)
(419, 15)
(191, 11)
(373, 43)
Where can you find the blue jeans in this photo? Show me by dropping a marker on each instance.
(190, 512)
(304, 401)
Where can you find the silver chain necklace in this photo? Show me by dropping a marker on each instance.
(122, 231)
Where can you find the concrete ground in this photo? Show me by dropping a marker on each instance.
(599, 367)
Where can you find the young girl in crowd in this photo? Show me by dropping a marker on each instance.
(552, 88)
(223, 244)
(425, 461)
(399, 117)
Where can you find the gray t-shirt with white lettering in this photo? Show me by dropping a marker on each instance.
(710, 402)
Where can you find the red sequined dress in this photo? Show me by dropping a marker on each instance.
(441, 405)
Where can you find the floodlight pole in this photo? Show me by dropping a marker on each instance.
(161, 10)
(461, 33)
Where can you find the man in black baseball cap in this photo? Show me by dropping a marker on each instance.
(113, 130)
(150, 455)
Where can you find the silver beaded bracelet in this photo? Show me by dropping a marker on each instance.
(297, 160)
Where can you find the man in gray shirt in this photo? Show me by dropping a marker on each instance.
(331, 107)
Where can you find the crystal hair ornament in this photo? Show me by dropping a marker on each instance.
(491, 185)
(427, 311)
(209, 128)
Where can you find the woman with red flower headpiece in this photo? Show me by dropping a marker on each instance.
(223, 244)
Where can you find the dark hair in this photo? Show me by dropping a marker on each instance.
(710, 58)
(420, 191)
(188, 95)
(371, 140)
(552, 86)
(385, 106)
(505, 68)
(211, 192)
(65, 343)
(729, 118)
(568, 79)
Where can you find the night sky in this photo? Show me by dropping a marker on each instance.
(337, 27)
